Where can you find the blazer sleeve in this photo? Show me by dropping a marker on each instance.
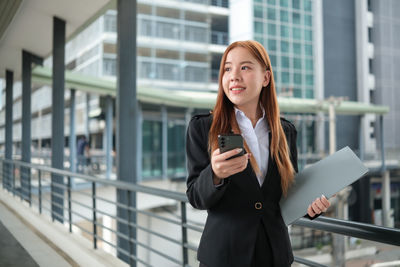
(201, 191)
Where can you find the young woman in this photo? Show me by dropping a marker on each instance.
(244, 226)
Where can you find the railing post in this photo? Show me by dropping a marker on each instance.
(94, 215)
(69, 204)
(30, 190)
(184, 234)
(131, 251)
(40, 190)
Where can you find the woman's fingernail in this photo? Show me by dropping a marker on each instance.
(238, 150)
(323, 196)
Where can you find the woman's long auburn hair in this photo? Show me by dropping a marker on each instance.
(224, 119)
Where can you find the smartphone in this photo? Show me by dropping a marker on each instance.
(228, 142)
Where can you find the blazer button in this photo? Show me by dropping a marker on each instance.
(258, 205)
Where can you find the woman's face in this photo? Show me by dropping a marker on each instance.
(243, 78)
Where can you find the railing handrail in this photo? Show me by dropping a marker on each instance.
(118, 184)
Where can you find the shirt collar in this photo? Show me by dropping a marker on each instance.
(240, 113)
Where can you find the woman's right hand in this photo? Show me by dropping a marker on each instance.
(223, 168)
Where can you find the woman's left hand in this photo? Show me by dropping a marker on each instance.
(319, 205)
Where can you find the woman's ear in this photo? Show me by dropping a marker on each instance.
(267, 78)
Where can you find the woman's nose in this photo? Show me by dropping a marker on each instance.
(235, 75)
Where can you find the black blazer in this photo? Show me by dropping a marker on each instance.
(230, 232)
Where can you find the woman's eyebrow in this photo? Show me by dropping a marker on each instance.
(241, 63)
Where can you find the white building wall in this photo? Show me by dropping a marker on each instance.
(241, 20)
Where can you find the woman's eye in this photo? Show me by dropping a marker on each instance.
(245, 68)
(227, 69)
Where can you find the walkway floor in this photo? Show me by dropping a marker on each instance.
(11, 252)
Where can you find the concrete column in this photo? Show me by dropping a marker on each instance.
(126, 121)
(57, 120)
(8, 175)
(27, 60)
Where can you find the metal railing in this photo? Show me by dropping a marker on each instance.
(37, 189)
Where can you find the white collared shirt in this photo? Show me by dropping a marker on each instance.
(257, 139)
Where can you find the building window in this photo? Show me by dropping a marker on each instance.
(271, 45)
(309, 64)
(369, 34)
(297, 63)
(308, 35)
(297, 78)
(296, 18)
(258, 27)
(284, 31)
(271, 14)
(285, 77)
(369, 5)
(296, 4)
(284, 16)
(176, 155)
(296, 33)
(152, 149)
(258, 11)
(284, 47)
(271, 29)
(110, 23)
(308, 49)
(285, 3)
(297, 48)
(109, 66)
(285, 62)
(307, 5)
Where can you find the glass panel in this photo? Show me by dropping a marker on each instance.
(258, 27)
(284, 3)
(259, 38)
(297, 92)
(272, 58)
(308, 20)
(271, 14)
(271, 45)
(284, 46)
(285, 62)
(296, 18)
(271, 29)
(309, 64)
(297, 48)
(307, 5)
(285, 77)
(297, 63)
(308, 49)
(284, 16)
(272, 2)
(176, 151)
(310, 79)
(284, 31)
(296, 4)
(308, 35)
(309, 93)
(258, 11)
(194, 34)
(152, 149)
(296, 33)
(195, 74)
(297, 78)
